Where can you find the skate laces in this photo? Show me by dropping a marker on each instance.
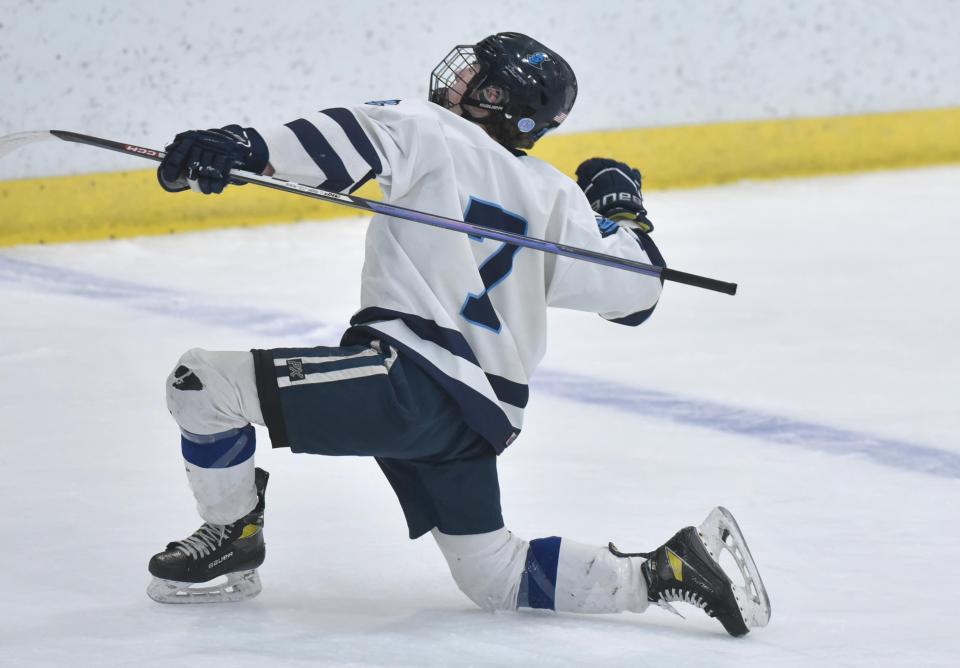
(676, 595)
(204, 540)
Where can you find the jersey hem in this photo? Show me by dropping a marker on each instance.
(650, 248)
(480, 413)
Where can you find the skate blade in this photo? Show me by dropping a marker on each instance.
(238, 587)
(721, 532)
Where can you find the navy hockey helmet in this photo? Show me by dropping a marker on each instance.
(513, 85)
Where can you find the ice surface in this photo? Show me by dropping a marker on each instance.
(819, 405)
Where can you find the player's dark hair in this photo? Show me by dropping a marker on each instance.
(525, 88)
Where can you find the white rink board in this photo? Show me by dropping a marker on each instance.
(843, 330)
(140, 71)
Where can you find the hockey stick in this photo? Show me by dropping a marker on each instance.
(11, 142)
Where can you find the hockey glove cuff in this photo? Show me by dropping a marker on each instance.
(613, 190)
(202, 159)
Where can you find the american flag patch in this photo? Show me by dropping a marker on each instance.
(559, 118)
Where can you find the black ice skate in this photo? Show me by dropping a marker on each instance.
(234, 550)
(687, 570)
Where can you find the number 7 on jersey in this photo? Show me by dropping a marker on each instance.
(477, 309)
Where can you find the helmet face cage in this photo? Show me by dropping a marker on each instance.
(512, 85)
(455, 75)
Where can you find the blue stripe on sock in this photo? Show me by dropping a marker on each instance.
(539, 581)
(223, 450)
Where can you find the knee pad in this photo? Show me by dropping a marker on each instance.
(487, 567)
(212, 392)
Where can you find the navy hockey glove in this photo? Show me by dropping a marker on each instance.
(613, 190)
(202, 159)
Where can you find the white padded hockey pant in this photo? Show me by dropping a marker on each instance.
(499, 571)
(213, 397)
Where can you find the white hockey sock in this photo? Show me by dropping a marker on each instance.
(220, 471)
(485, 566)
(592, 579)
(213, 397)
(499, 571)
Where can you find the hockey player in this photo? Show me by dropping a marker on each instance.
(431, 376)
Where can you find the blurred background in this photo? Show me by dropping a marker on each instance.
(143, 70)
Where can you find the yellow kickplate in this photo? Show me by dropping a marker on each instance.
(249, 530)
(676, 565)
(126, 204)
(699, 155)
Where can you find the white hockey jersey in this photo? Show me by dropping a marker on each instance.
(471, 312)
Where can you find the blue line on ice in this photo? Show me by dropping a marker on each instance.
(161, 301)
(746, 422)
(584, 389)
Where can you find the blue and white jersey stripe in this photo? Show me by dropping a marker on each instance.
(329, 150)
(358, 138)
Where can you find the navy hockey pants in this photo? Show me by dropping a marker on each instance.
(369, 400)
